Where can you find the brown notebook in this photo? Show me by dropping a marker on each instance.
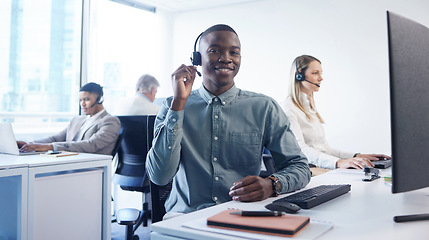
(280, 226)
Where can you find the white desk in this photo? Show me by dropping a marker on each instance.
(366, 212)
(55, 198)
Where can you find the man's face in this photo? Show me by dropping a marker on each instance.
(221, 58)
(88, 102)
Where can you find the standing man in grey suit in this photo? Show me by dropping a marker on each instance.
(94, 133)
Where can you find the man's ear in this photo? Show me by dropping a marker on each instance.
(153, 91)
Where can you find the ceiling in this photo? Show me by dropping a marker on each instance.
(190, 5)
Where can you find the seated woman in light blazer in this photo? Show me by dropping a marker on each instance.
(94, 133)
(307, 124)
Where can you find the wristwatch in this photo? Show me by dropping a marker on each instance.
(277, 186)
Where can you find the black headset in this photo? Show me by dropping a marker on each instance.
(299, 76)
(100, 99)
(196, 56)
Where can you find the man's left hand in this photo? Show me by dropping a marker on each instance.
(251, 189)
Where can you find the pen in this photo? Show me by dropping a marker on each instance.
(409, 218)
(258, 213)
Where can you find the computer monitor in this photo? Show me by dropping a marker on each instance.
(409, 100)
(409, 106)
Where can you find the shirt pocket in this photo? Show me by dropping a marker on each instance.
(244, 150)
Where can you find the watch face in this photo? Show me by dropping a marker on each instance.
(278, 187)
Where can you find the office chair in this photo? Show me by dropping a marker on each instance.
(118, 142)
(159, 195)
(269, 164)
(114, 152)
(130, 173)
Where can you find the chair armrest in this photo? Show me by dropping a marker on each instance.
(127, 216)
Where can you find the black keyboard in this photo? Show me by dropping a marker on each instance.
(383, 164)
(317, 195)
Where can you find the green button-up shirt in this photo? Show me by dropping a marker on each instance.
(218, 140)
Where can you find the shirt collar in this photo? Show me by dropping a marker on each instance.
(224, 98)
(142, 95)
(95, 116)
(306, 103)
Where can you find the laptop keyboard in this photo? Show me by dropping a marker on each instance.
(317, 195)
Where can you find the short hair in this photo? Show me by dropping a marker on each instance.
(146, 82)
(215, 28)
(218, 27)
(92, 88)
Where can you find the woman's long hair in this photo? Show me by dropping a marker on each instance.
(300, 64)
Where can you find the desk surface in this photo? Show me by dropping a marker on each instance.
(8, 161)
(366, 212)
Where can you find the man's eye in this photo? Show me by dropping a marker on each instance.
(213, 50)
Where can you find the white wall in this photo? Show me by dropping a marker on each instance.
(349, 37)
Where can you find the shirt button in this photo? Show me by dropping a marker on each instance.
(169, 147)
(217, 178)
(216, 116)
(215, 99)
(215, 138)
(223, 103)
(215, 159)
(215, 198)
(174, 120)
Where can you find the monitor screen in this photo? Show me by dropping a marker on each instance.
(409, 100)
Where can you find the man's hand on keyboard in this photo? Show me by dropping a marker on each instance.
(251, 188)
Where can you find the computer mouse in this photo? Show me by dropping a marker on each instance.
(283, 207)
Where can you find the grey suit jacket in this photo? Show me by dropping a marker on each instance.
(100, 137)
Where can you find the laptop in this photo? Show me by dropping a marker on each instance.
(8, 142)
(383, 164)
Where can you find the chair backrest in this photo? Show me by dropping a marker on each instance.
(135, 144)
(118, 142)
(158, 196)
(269, 164)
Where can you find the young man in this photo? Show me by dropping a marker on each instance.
(211, 140)
(94, 133)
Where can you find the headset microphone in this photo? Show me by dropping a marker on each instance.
(312, 82)
(196, 56)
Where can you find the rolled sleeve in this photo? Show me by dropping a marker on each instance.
(164, 157)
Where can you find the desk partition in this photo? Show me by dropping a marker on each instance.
(55, 198)
(13, 203)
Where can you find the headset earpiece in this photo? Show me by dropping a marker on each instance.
(299, 76)
(99, 100)
(196, 56)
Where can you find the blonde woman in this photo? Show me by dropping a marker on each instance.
(307, 124)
